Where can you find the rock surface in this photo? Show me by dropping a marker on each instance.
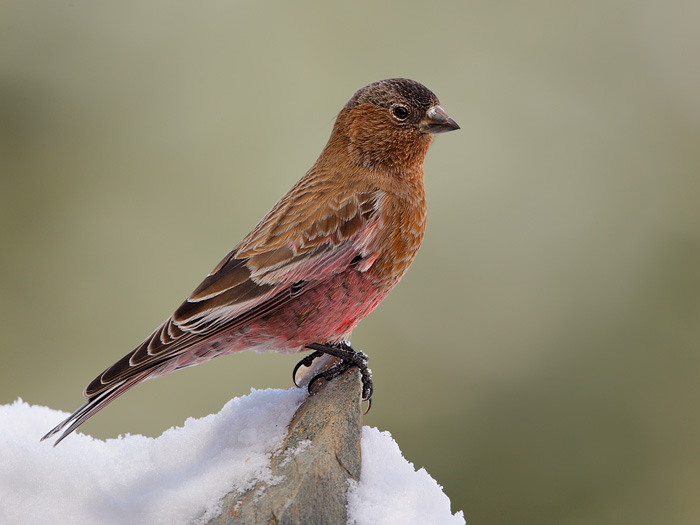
(312, 467)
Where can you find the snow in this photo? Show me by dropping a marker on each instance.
(391, 491)
(180, 476)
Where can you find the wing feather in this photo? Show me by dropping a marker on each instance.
(293, 248)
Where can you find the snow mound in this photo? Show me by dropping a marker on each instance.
(180, 476)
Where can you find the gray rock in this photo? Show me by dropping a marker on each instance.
(320, 453)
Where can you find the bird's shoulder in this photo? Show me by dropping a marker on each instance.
(325, 208)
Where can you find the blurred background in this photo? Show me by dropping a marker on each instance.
(541, 357)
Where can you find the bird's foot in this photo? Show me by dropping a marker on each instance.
(304, 362)
(348, 356)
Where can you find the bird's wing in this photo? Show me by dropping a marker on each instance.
(299, 243)
(312, 233)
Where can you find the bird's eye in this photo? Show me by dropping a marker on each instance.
(400, 112)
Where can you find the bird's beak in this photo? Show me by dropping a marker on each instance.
(437, 121)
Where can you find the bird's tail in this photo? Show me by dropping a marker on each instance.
(94, 405)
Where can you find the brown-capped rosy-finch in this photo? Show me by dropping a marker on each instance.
(321, 260)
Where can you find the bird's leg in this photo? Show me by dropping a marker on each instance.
(349, 358)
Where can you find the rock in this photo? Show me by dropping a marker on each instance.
(319, 455)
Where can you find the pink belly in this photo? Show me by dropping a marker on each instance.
(326, 313)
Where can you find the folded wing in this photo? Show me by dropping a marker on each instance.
(295, 252)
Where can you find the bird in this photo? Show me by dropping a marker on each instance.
(318, 262)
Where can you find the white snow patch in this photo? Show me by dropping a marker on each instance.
(180, 476)
(292, 453)
(175, 478)
(392, 492)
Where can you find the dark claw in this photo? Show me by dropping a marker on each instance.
(331, 373)
(349, 358)
(305, 362)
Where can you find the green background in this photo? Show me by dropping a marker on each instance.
(541, 357)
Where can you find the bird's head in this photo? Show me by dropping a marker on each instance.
(388, 125)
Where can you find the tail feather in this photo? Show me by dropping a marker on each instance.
(95, 404)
